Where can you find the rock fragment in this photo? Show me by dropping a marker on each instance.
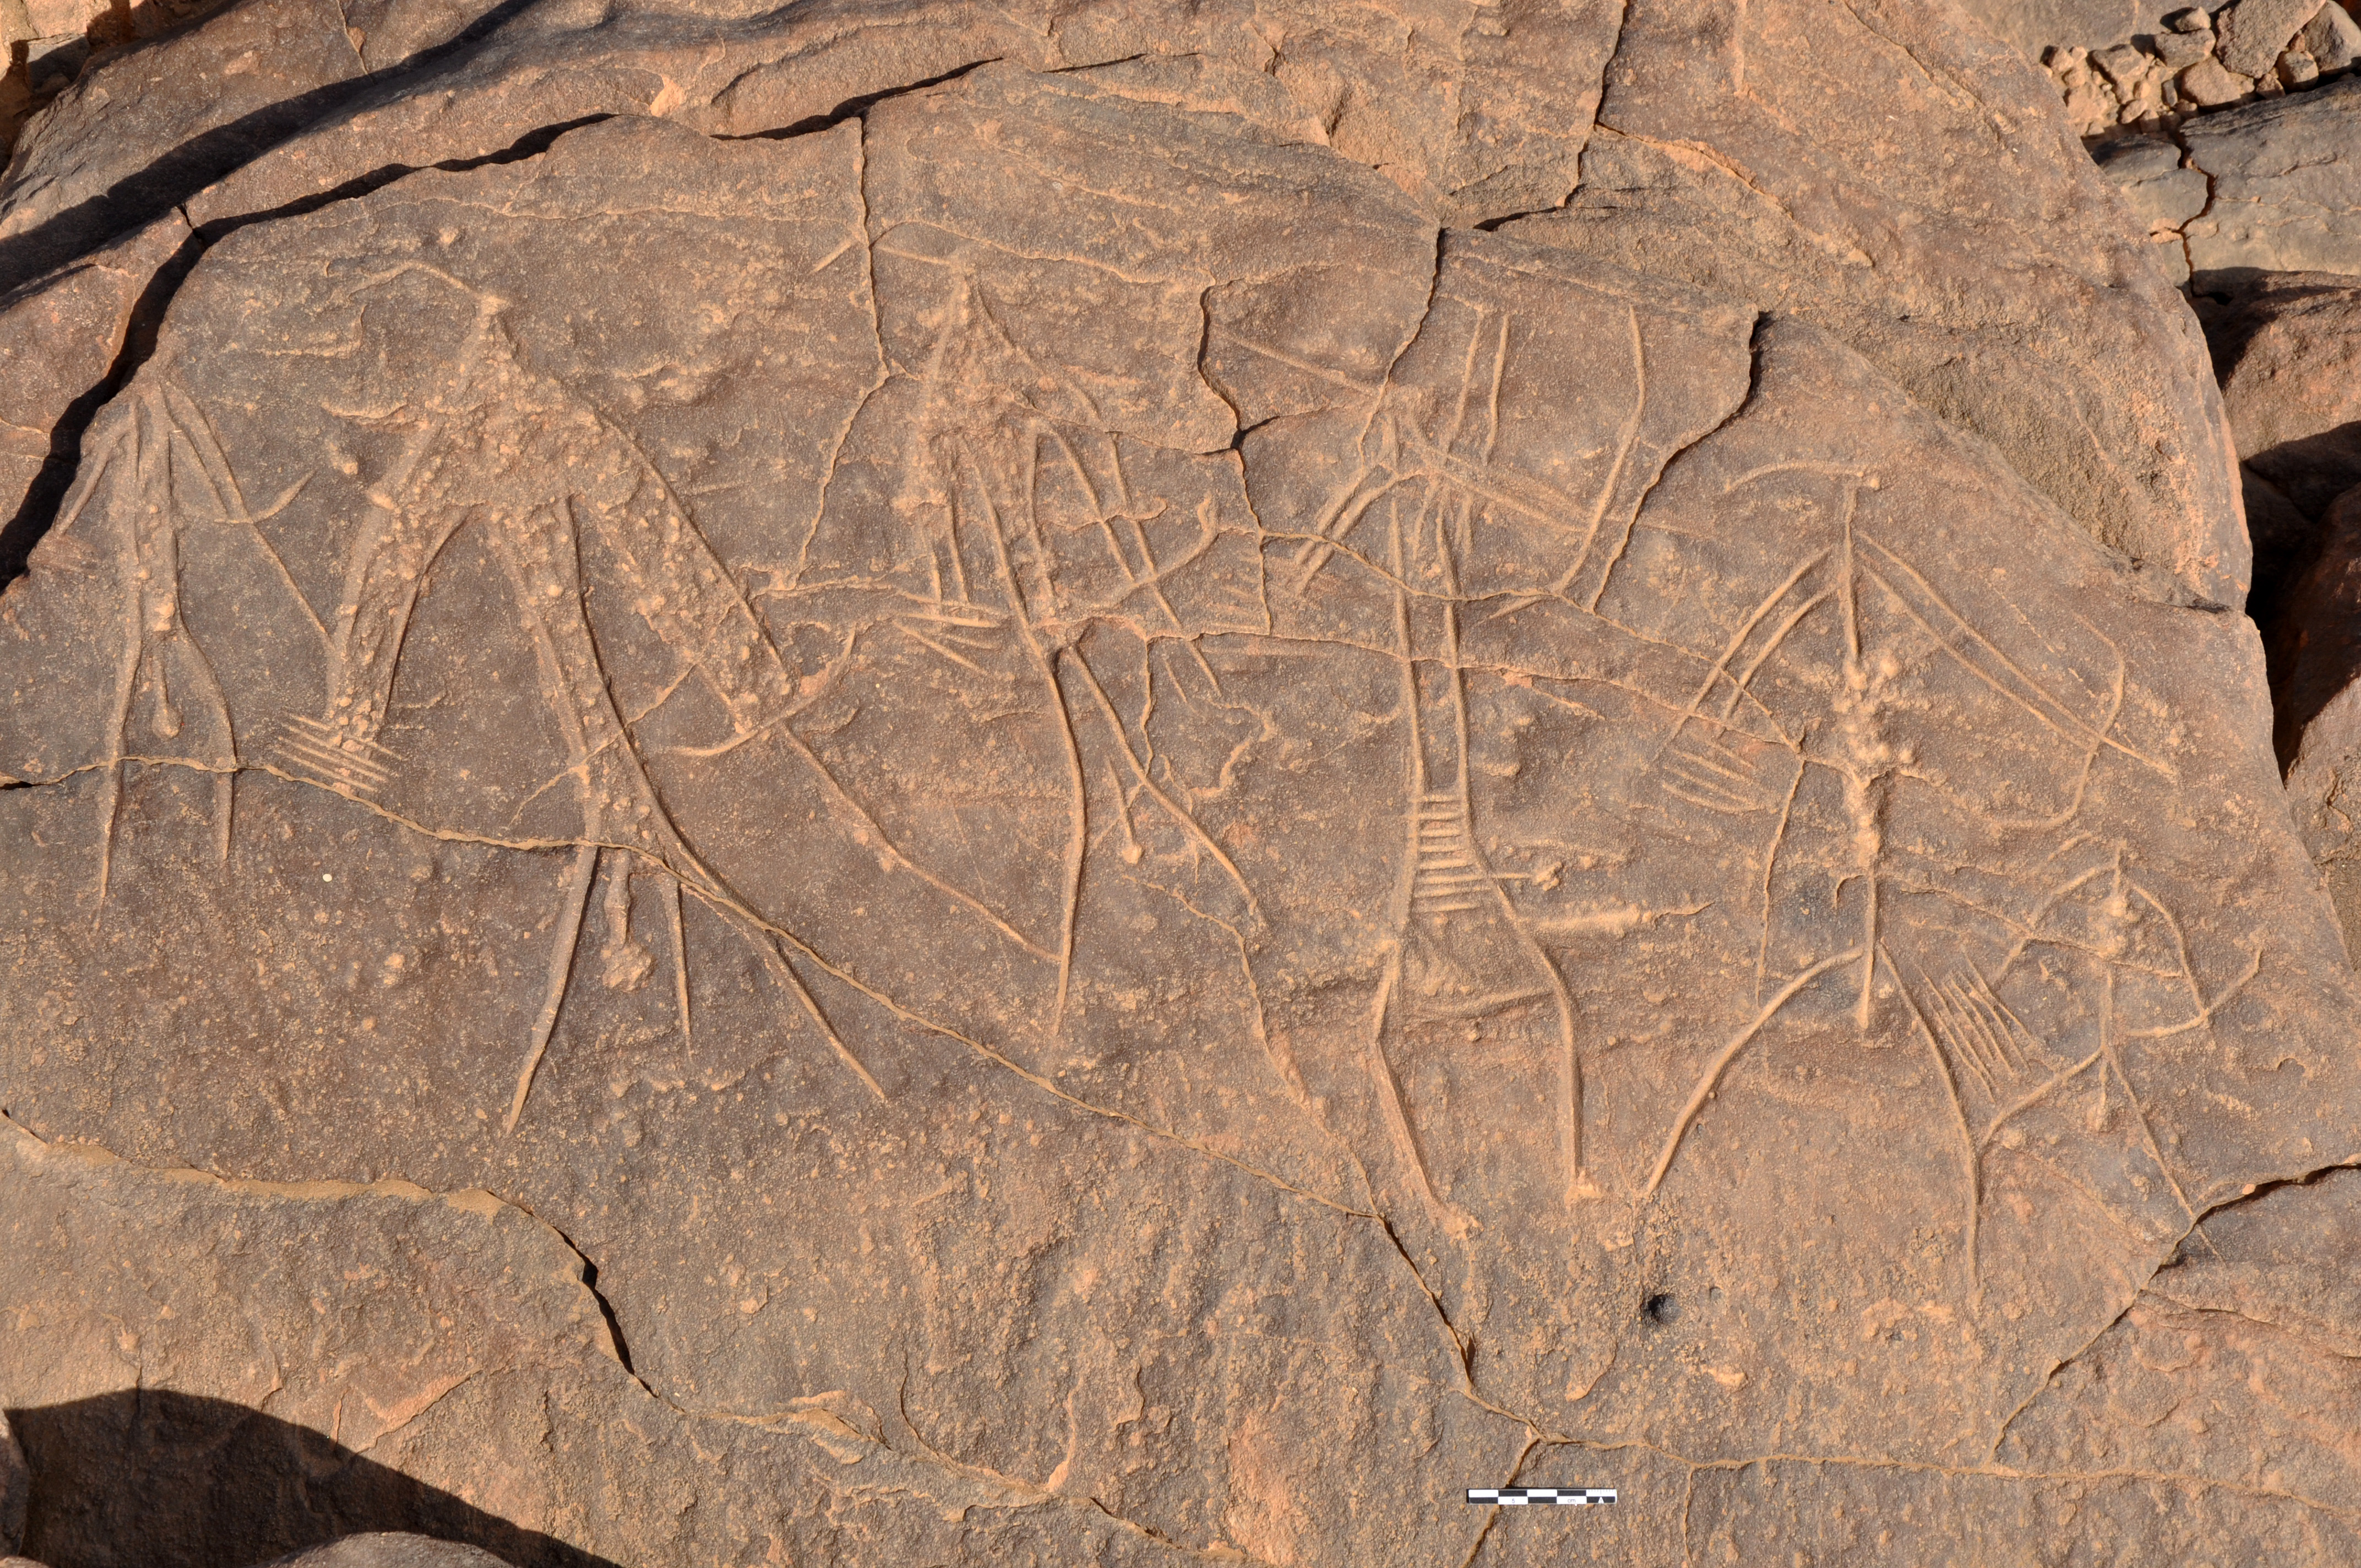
(2125, 67)
(2333, 38)
(2253, 33)
(2287, 349)
(2180, 51)
(2162, 193)
(2155, 78)
(2287, 185)
(2209, 85)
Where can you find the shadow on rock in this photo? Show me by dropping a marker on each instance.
(2315, 647)
(2313, 469)
(167, 1480)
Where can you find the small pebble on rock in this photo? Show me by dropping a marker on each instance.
(2125, 66)
(2253, 32)
(2333, 38)
(2209, 85)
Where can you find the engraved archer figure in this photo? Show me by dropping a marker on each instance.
(1462, 948)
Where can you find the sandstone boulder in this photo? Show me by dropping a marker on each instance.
(1121, 764)
(390, 1549)
(2161, 190)
(2254, 33)
(2287, 349)
(2286, 176)
(2209, 84)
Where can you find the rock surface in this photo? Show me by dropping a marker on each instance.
(207, 1370)
(2161, 72)
(1686, 178)
(16, 1485)
(2286, 177)
(1126, 752)
(390, 1549)
(2162, 191)
(2234, 1363)
(2032, 26)
(2142, 470)
(61, 336)
(143, 128)
(45, 44)
(2289, 351)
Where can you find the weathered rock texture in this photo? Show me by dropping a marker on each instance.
(2164, 71)
(2290, 353)
(64, 334)
(210, 1371)
(1494, 125)
(2286, 179)
(2032, 26)
(1132, 752)
(2163, 194)
(2262, 189)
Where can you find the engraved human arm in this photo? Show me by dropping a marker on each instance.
(1729, 1053)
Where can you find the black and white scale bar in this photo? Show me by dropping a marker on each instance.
(1518, 1496)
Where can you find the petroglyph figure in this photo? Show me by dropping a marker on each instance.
(1460, 735)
